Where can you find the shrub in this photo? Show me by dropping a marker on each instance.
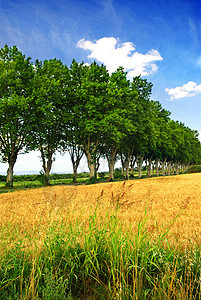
(101, 174)
(118, 173)
(2, 178)
(194, 169)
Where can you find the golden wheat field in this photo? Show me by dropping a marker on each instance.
(163, 199)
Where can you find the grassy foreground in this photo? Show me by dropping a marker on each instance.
(109, 241)
(102, 261)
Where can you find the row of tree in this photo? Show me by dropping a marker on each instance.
(83, 109)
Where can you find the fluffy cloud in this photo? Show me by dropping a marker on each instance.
(113, 54)
(189, 89)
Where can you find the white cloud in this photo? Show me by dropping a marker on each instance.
(189, 89)
(112, 53)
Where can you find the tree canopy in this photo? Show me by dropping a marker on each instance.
(15, 91)
(85, 110)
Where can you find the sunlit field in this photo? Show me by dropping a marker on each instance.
(164, 199)
(103, 221)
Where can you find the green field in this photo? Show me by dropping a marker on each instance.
(34, 181)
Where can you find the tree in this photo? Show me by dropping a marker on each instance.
(15, 89)
(164, 148)
(89, 107)
(158, 119)
(135, 143)
(75, 151)
(188, 152)
(72, 139)
(119, 119)
(49, 110)
(194, 146)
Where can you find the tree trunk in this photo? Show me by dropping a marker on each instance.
(92, 171)
(153, 168)
(157, 167)
(177, 168)
(90, 152)
(74, 173)
(127, 163)
(75, 154)
(146, 167)
(169, 165)
(47, 176)
(111, 158)
(9, 178)
(132, 165)
(111, 170)
(11, 162)
(97, 165)
(122, 171)
(173, 169)
(166, 169)
(185, 168)
(149, 167)
(182, 169)
(132, 171)
(48, 169)
(122, 165)
(91, 166)
(47, 165)
(127, 171)
(163, 167)
(139, 166)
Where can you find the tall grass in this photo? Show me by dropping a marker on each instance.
(97, 259)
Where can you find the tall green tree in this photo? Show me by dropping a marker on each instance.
(194, 146)
(49, 110)
(90, 106)
(158, 118)
(72, 132)
(164, 150)
(136, 142)
(188, 147)
(119, 119)
(16, 73)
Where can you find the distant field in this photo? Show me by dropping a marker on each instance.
(163, 199)
(33, 181)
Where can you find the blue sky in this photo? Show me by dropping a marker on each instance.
(161, 40)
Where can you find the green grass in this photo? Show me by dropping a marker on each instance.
(100, 261)
(32, 181)
(68, 181)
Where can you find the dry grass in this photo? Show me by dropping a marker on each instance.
(164, 198)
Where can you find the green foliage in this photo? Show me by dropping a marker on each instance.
(2, 178)
(47, 108)
(85, 110)
(102, 175)
(60, 176)
(194, 169)
(15, 115)
(118, 173)
(41, 178)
